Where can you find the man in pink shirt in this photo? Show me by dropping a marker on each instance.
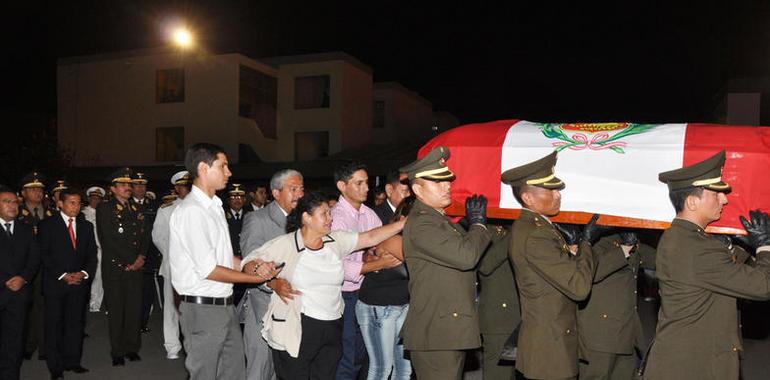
(351, 214)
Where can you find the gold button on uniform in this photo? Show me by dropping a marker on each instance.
(604, 316)
(454, 315)
(735, 349)
(569, 331)
(505, 305)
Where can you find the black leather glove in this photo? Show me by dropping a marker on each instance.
(592, 231)
(724, 239)
(463, 222)
(476, 209)
(758, 229)
(571, 233)
(628, 238)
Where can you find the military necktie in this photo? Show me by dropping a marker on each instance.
(35, 214)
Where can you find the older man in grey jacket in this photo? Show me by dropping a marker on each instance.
(260, 227)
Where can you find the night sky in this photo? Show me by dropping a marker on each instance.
(651, 61)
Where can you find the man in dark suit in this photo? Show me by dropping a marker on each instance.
(68, 252)
(151, 287)
(396, 189)
(17, 268)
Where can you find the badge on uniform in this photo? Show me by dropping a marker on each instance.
(120, 230)
(119, 207)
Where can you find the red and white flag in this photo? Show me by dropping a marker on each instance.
(609, 168)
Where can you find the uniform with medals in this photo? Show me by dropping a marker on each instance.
(121, 230)
(32, 216)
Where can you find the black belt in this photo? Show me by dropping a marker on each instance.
(208, 300)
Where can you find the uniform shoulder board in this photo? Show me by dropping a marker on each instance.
(166, 204)
(24, 212)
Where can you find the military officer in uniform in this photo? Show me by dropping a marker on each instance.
(700, 277)
(499, 312)
(441, 257)
(234, 213)
(31, 212)
(57, 189)
(121, 229)
(550, 277)
(151, 288)
(609, 327)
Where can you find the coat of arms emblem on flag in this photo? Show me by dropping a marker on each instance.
(593, 136)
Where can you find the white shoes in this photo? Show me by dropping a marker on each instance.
(172, 355)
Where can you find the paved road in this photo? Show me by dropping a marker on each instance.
(154, 365)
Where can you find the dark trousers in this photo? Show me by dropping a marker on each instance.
(152, 286)
(319, 352)
(353, 348)
(64, 326)
(124, 303)
(13, 312)
(35, 331)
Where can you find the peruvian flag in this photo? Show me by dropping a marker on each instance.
(608, 168)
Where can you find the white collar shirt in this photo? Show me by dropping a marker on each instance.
(67, 223)
(10, 222)
(199, 241)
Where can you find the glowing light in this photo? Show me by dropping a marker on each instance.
(182, 38)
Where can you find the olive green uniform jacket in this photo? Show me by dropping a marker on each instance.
(551, 281)
(698, 336)
(608, 320)
(441, 259)
(499, 300)
(122, 236)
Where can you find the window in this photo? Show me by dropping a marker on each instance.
(378, 115)
(310, 145)
(169, 86)
(169, 144)
(311, 92)
(258, 100)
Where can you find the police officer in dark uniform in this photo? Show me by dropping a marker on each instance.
(234, 213)
(151, 287)
(121, 230)
(441, 256)
(31, 212)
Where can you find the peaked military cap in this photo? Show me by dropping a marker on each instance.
(33, 179)
(60, 185)
(122, 175)
(181, 178)
(95, 190)
(170, 197)
(139, 179)
(706, 174)
(235, 190)
(540, 173)
(431, 167)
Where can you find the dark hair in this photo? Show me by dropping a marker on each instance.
(404, 207)
(345, 171)
(6, 189)
(307, 204)
(517, 191)
(68, 192)
(201, 152)
(393, 177)
(678, 197)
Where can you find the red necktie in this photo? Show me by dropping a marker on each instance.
(72, 234)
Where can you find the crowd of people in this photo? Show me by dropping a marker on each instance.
(276, 282)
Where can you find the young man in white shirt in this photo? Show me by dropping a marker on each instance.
(202, 262)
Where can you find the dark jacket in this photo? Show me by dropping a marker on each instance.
(21, 256)
(122, 236)
(58, 255)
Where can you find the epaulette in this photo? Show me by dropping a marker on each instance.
(166, 204)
